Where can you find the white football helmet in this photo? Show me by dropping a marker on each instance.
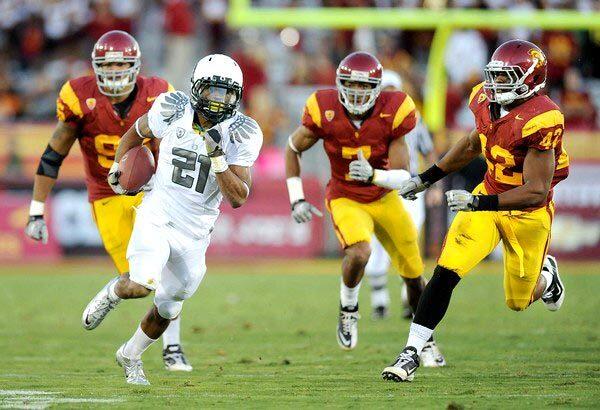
(217, 85)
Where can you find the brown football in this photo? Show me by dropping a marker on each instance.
(136, 167)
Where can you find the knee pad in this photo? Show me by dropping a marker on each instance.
(517, 305)
(169, 309)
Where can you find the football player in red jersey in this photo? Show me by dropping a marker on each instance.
(96, 110)
(519, 131)
(363, 130)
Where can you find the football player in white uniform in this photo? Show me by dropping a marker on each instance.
(207, 149)
(419, 144)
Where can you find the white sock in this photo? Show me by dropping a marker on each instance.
(348, 296)
(111, 292)
(418, 336)
(548, 276)
(138, 343)
(172, 336)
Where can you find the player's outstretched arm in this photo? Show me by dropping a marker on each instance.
(300, 140)
(463, 152)
(58, 148)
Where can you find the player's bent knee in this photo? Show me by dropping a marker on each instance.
(517, 305)
(169, 310)
(359, 253)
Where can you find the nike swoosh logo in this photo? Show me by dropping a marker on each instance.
(150, 99)
(385, 115)
(518, 117)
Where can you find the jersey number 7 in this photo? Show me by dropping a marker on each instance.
(190, 158)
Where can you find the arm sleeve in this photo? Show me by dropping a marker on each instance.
(244, 140)
(405, 118)
(311, 117)
(544, 131)
(68, 108)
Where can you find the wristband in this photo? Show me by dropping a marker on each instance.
(486, 202)
(432, 175)
(295, 189)
(219, 164)
(36, 208)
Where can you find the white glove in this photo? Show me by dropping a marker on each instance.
(360, 169)
(213, 138)
(303, 211)
(36, 228)
(409, 189)
(113, 179)
(461, 200)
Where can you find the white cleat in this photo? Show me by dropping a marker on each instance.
(175, 360)
(347, 328)
(555, 296)
(134, 369)
(431, 356)
(98, 308)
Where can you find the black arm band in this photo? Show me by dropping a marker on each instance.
(50, 163)
(487, 202)
(432, 175)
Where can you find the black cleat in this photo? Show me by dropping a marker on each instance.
(404, 368)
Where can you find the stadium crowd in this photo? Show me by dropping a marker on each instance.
(44, 43)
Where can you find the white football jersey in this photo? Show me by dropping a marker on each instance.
(185, 193)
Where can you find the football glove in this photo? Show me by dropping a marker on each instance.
(461, 200)
(213, 138)
(36, 228)
(360, 169)
(409, 189)
(303, 211)
(113, 179)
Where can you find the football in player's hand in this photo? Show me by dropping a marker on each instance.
(136, 167)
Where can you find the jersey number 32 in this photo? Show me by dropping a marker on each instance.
(187, 160)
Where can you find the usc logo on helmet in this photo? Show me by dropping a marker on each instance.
(539, 56)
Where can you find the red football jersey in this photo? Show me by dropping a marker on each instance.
(100, 128)
(537, 123)
(392, 117)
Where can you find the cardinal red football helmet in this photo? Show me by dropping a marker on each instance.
(359, 67)
(116, 46)
(522, 67)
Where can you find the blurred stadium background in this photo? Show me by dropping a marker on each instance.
(283, 317)
(45, 43)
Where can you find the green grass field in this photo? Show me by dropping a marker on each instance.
(262, 335)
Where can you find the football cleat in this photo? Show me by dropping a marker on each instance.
(380, 312)
(134, 368)
(555, 296)
(404, 367)
(175, 360)
(347, 328)
(98, 308)
(431, 356)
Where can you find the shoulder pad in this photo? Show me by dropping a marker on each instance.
(242, 128)
(173, 106)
